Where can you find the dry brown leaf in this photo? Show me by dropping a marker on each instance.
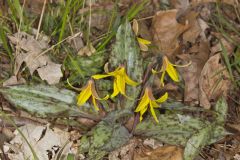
(166, 30)
(218, 48)
(152, 143)
(87, 50)
(135, 26)
(125, 152)
(13, 81)
(43, 140)
(192, 33)
(213, 82)
(29, 50)
(198, 55)
(161, 153)
(51, 73)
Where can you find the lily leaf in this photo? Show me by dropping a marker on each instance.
(105, 137)
(83, 67)
(171, 129)
(44, 101)
(221, 109)
(126, 51)
(197, 142)
(185, 130)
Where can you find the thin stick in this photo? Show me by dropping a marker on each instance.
(40, 21)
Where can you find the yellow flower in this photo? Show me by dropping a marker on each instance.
(148, 99)
(120, 80)
(168, 67)
(88, 91)
(143, 43)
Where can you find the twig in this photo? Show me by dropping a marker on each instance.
(40, 21)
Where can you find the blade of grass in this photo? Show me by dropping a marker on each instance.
(64, 20)
(226, 60)
(20, 132)
(15, 8)
(3, 38)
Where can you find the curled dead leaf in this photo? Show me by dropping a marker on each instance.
(213, 82)
(198, 55)
(166, 30)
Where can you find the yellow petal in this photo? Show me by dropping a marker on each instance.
(172, 73)
(95, 104)
(115, 89)
(143, 103)
(130, 81)
(84, 95)
(142, 113)
(100, 76)
(163, 98)
(143, 41)
(155, 105)
(116, 72)
(153, 112)
(120, 80)
(162, 78)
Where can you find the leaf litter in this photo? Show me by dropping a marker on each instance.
(183, 34)
(29, 50)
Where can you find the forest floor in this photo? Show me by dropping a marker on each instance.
(169, 72)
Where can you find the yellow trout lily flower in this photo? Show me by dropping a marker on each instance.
(149, 100)
(88, 91)
(120, 80)
(168, 67)
(143, 43)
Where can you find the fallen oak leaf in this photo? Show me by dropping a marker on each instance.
(213, 82)
(29, 52)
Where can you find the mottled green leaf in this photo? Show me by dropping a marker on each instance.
(185, 130)
(83, 67)
(221, 108)
(173, 129)
(44, 101)
(197, 142)
(103, 138)
(126, 52)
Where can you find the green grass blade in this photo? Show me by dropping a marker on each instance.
(226, 60)
(3, 38)
(64, 20)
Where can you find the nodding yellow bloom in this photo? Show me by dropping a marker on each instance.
(143, 43)
(168, 67)
(88, 91)
(149, 100)
(120, 80)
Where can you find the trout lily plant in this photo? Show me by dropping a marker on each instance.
(120, 79)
